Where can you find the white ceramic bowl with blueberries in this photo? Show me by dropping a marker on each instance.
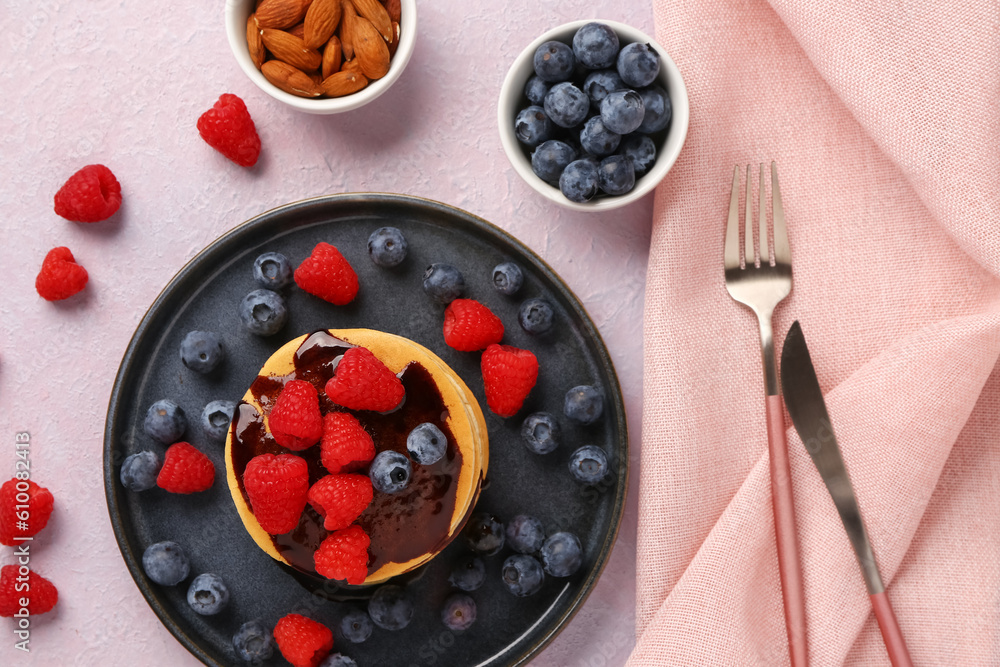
(593, 114)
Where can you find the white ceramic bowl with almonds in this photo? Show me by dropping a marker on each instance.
(322, 56)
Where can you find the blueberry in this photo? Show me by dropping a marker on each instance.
(139, 471)
(426, 444)
(566, 105)
(263, 312)
(535, 316)
(356, 626)
(165, 563)
(468, 574)
(387, 247)
(638, 64)
(595, 45)
(540, 432)
(165, 422)
(390, 609)
(532, 126)
(578, 181)
(657, 109)
(554, 61)
(622, 111)
(216, 417)
(550, 158)
(272, 271)
(337, 660)
(535, 89)
(443, 283)
(253, 642)
(525, 534)
(597, 139)
(484, 533)
(616, 175)
(641, 150)
(522, 575)
(459, 612)
(390, 472)
(598, 84)
(584, 404)
(562, 554)
(507, 278)
(208, 594)
(589, 465)
(202, 351)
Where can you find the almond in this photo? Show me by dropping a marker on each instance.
(254, 43)
(351, 66)
(289, 79)
(291, 49)
(393, 43)
(344, 83)
(370, 49)
(321, 20)
(331, 56)
(376, 13)
(299, 30)
(280, 13)
(394, 10)
(347, 20)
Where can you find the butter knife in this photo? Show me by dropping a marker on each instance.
(807, 409)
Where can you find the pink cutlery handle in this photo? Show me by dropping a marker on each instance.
(891, 634)
(789, 565)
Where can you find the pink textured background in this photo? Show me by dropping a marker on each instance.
(122, 83)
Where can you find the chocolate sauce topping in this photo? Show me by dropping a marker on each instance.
(401, 526)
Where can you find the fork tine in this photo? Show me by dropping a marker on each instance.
(748, 244)
(762, 221)
(732, 252)
(782, 253)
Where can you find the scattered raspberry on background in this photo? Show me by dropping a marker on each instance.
(346, 445)
(343, 556)
(90, 195)
(228, 128)
(340, 499)
(39, 510)
(303, 641)
(509, 374)
(40, 592)
(363, 382)
(295, 420)
(278, 487)
(185, 470)
(60, 276)
(471, 326)
(326, 274)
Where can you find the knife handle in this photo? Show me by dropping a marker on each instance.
(891, 634)
(789, 565)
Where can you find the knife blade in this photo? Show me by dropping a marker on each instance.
(805, 404)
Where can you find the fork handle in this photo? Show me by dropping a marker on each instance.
(789, 565)
(899, 656)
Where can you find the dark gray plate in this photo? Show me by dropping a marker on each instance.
(204, 295)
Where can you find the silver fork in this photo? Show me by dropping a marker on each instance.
(761, 286)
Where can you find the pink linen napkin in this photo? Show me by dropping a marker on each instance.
(884, 120)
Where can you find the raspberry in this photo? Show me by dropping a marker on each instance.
(278, 487)
(346, 445)
(326, 274)
(470, 326)
(60, 276)
(41, 594)
(343, 556)
(185, 470)
(302, 641)
(90, 195)
(295, 420)
(509, 374)
(340, 499)
(362, 382)
(228, 128)
(35, 516)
